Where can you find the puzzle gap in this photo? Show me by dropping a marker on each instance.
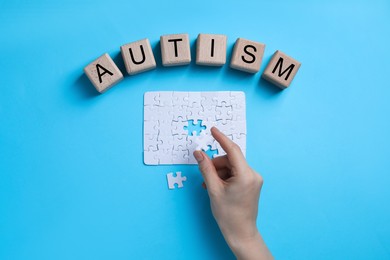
(194, 129)
(211, 152)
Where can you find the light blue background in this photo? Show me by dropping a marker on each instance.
(72, 181)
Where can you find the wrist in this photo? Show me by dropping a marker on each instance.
(240, 242)
(249, 247)
(236, 235)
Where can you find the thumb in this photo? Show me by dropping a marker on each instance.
(207, 169)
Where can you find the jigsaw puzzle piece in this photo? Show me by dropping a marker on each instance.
(191, 158)
(221, 151)
(238, 127)
(180, 99)
(208, 113)
(203, 141)
(194, 99)
(166, 99)
(208, 124)
(165, 156)
(224, 113)
(151, 157)
(151, 127)
(224, 128)
(151, 113)
(175, 179)
(237, 99)
(212, 153)
(151, 142)
(208, 99)
(165, 128)
(193, 114)
(180, 104)
(240, 140)
(191, 145)
(177, 127)
(180, 157)
(237, 114)
(179, 113)
(179, 142)
(165, 113)
(151, 99)
(213, 145)
(223, 97)
(238, 105)
(165, 143)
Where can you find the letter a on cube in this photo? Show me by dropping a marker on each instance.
(103, 73)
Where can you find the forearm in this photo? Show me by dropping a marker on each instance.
(251, 248)
(234, 190)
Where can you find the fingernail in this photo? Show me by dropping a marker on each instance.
(198, 156)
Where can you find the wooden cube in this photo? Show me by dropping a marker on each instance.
(247, 55)
(281, 70)
(175, 49)
(211, 49)
(138, 57)
(103, 73)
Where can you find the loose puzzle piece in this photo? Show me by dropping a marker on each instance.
(178, 123)
(177, 179)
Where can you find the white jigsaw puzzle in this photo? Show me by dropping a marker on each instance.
(178, 123)
(178, 179)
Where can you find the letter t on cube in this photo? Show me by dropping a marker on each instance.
(175, 49)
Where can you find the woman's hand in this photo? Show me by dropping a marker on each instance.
(234, 190)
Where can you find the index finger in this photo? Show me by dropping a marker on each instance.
(232, 150)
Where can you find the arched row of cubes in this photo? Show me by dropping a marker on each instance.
(175, 51)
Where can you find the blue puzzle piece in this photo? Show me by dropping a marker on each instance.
(210, 153)
(191, 128)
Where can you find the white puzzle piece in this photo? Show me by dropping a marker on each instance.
(178, 123)
(203, 141)
(178, 179)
